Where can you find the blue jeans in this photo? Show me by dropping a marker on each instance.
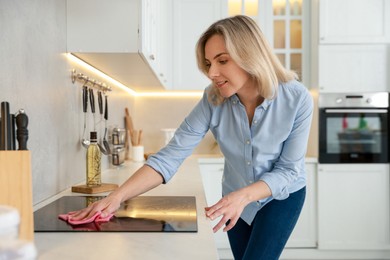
(266, 237)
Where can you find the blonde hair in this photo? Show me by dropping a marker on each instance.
(248, 47)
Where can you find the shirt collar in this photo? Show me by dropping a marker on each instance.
(266, 103)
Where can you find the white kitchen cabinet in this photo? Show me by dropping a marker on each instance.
(354, 207)
(354, 21)
(353, 68)
(156, 38)
(304, 234)
(130, 41)
(211, 172)
(190, 19)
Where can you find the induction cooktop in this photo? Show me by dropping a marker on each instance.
(140, 214)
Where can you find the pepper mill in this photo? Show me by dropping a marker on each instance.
(22, 131)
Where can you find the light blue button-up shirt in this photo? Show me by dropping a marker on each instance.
(272, 149)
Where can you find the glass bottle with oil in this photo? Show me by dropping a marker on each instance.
(94, 176)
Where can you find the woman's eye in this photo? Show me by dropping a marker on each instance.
(223, 61)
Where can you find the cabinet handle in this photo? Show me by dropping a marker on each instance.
(152, 57)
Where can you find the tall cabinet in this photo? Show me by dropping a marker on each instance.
(286, 25)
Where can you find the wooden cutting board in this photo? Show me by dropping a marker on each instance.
(104, 187)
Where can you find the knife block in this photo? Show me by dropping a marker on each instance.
(16, 188)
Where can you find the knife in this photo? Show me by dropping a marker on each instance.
(100, 101)
(12, 132)
(5, 140)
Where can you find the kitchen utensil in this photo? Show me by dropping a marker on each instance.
(118, 136)
(100, 143)
(105, 142)
(129, 121)
(22, 131)
(85, 142)
(6, 128)
(92, 100)
(118, 156)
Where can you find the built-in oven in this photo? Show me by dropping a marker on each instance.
(354, 128)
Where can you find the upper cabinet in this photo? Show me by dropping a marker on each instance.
(353, 68)
(190, 19)
(150, 44)
(353, 53)
(354, 21)
(130, 40)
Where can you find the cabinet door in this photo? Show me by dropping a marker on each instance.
(353, 68)
(190, 19)
(156, 37)
(212, 182)
(354, 206)
(304, 234)
(102, 26)
(148, 31)
(354, 21)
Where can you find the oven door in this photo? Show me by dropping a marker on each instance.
(349, 135)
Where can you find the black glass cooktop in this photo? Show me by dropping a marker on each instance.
(140, 214)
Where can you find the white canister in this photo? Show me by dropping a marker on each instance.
(138, 153)
(9, 223)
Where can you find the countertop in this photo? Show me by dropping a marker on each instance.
(139, 245)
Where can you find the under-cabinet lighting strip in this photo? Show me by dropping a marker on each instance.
(131, 91)
(101, 74)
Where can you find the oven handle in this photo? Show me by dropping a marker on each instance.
(356, 111)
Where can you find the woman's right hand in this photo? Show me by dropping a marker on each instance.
(106, 206)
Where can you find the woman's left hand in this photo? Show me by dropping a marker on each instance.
(230, 208)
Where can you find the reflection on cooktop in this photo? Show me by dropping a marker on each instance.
(140, 214)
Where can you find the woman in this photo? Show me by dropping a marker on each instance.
(260, 116)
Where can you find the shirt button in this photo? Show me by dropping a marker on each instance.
(255, 121)
(234, 102)
(248, 141)
(248, 163)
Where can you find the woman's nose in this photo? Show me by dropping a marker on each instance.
(213, 72)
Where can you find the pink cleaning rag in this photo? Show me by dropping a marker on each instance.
(95, 218)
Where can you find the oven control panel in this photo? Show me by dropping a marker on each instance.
(349, 100)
